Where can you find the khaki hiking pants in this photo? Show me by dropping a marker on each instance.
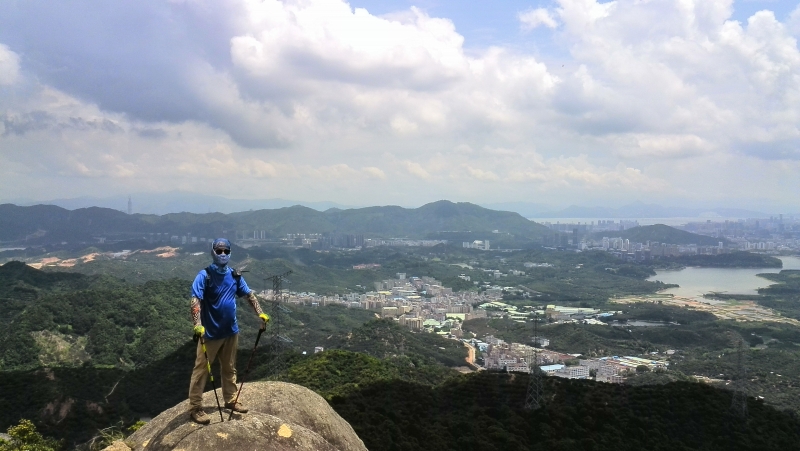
(225, 349)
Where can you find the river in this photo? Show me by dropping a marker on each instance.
(694, 282)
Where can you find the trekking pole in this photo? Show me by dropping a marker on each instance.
(210, 376)
(246, 372)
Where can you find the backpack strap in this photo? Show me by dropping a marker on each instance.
(208, 280)
(237, 276)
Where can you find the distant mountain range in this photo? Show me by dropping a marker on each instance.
(642, 210)
(178, 201)
(442, 220)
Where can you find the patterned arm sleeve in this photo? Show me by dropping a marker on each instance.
(195, 312)
(253, 300)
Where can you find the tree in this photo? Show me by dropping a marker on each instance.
(642, 369)
(25, 438)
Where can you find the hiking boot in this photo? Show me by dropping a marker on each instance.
(236, 407)
(199, 416)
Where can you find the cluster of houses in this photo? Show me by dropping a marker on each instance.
(553, 313)
(515, 357)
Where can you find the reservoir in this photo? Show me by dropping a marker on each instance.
(694, 282)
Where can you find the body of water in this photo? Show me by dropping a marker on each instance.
(695, 282)
(641, 324)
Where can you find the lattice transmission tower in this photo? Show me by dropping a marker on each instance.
(535, 397)
(278, 342)
(739, 400)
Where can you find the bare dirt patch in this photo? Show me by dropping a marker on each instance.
(58, 410)
(60, 350)
(163, 252)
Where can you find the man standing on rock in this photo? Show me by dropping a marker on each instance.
(214, 294)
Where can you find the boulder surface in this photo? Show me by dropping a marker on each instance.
(282, 417)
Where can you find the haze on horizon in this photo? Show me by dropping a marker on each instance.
(378, 102)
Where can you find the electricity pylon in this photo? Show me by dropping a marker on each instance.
(739, 400)
(534, 399)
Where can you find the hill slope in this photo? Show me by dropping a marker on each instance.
(662, 234)
(484, 411)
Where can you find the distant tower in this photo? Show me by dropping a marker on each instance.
(535, 397)
(130, 206)
(739, 401)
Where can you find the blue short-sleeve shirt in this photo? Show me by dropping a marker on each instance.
(218, 305)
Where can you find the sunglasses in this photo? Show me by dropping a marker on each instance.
(220, 251)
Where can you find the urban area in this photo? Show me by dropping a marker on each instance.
(422, 304)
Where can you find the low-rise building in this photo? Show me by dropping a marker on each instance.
(551, 369)
(573, 372)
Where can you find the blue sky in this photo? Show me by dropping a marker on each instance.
(690, 102)
(485, 23)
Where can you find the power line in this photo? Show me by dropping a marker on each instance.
(278, 342)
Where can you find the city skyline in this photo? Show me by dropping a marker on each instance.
(383, 102)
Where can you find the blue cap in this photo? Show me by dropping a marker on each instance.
(221, 243)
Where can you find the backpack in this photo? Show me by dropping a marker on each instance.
(237, 276)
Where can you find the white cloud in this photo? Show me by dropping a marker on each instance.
(534, 18)
(308, 95)
(9, 66)
(352, 46)
(481, 174)
(403, 125)
(375, 173)
(793, 24)
(578, 172)
(582, 15)
(416, 170)
(660, 146)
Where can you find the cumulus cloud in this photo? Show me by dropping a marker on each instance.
(375, 173)
(416, 170)
(329, 40)
(9, 66)
(660, 146)
(534, 18)
(481, 174)
(793, 24)
(315, 93)
(572, 172)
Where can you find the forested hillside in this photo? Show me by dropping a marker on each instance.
(485, 411)
(399, 404)
(104, 321)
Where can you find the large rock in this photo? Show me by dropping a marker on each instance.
(282, 417)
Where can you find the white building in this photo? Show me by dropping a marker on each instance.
(573, 372)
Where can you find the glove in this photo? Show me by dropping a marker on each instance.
(198, 331)
(264, 317)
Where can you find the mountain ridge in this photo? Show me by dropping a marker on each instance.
(43, 223)
(662, 234)
(642, 210)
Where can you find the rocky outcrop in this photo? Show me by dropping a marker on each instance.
(282, 417)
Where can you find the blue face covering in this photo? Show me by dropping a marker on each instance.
(220, 260)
